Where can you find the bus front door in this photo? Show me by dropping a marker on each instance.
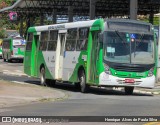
(62, 37)
(94, 58)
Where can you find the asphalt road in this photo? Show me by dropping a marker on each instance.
(97, 102)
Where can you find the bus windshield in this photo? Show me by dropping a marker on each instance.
(124, 47)
(18, 42)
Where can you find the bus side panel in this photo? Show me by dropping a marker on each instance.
(70, 61)
(49, 61)
(42, 62)
(82, 61)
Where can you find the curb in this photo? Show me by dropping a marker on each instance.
(139, 91)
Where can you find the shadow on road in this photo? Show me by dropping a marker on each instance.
(32, 82)
(92, 90)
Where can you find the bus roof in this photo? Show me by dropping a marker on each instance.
(64, 26)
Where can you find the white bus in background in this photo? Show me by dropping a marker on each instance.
(13, 49)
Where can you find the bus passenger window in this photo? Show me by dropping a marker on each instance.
(70, 45)
(43, 46)
(52, 43)
(83, 39)
(71, 40)
(43, 41)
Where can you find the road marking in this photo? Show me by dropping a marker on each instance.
(19, 82)
(10, 73)
(5, 70)
(17, 70)
(5, 110)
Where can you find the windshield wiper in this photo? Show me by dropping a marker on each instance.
(117, 32)
(126, 45)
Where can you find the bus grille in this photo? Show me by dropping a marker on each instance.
(129, 68)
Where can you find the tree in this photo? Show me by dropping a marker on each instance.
(5, 23)
(2, 33)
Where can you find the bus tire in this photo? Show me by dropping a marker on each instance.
(50, 82)
(77, 86)
(42, 77)
(128, 90)
(21, 60)
(10, 60)
(82, 78)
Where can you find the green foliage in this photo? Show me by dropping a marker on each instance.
(155, 20)
(5, 3)
(2, 33)
(5, 22)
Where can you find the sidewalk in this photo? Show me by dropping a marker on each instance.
(13, 94)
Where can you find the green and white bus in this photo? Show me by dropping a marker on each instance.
(13, 49)
(110, 53)
(1, 48)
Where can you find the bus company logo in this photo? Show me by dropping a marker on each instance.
(6, 120)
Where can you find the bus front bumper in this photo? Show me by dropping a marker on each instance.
(109, 80)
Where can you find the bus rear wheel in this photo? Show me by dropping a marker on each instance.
(44, 81)
(82, 78)
(128, 90)
(42, 77)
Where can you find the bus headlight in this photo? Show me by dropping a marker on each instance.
(150, 73)
(107, 70)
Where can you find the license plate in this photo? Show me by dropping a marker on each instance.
(129, 81)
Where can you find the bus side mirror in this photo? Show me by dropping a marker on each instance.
(101, 37)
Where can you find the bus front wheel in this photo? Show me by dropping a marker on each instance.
(82, 79)
(128, 90)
